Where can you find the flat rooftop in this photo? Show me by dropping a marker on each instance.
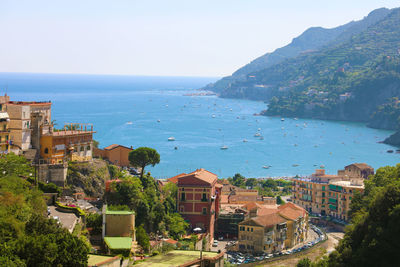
(66, 133)
(175, 258)
(119, 212)
(118, 242)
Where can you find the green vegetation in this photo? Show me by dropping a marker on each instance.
(312, 39)
(144, 156)
(351, 74)
(268, 187)
(154, 209)
(94, 221)
(175, 258)
(78, 211)
(89, 177)
(143, 238)
(372, 237)
(27, 237)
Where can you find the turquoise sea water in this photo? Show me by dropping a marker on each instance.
(200, 125)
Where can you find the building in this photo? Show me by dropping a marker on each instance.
(116, 154)
(331, 195)
(21, 114)
(235, 195)
(281, 228)
(198, 199)
(4, 126)
(72, 143)
(118, 230)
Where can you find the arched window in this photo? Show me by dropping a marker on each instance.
(46, 151)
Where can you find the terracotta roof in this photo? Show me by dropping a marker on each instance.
(111, 147)
(269, 220)
(201, 174)
(218, 185)
(175, 178)
(251, 206)
(291, 211)
(266, 211)
(224, 199)
(361, 166)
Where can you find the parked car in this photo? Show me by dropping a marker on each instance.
(220, 238)
(215, 243)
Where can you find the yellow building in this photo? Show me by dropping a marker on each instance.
(277, 229)
(118, 230)
(330, 194)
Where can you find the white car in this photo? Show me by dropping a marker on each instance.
(215, 243)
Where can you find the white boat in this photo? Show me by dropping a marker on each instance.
(158, 120)
(266, 166)
(257, 135)
(213, 116)
(171, 138)
(244, 140)
(322, 166)
(129, 123)
(295, 119)
(224, 147)
(295, 165)
(283, 119)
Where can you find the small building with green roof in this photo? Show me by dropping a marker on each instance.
(118, 230)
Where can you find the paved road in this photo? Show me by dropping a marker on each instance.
(67, 220)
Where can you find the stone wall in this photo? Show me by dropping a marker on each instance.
(53, 173)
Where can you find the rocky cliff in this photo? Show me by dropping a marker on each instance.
(88, 177)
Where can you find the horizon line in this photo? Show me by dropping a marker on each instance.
(103, 74)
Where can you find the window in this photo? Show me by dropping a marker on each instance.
(183, 198)
(323, 194)
(4, 127)
(82, 148)
(204, 198)
(204, 211)
(248, 229)
(252, 229)
(46, 151)
(323, 188)
(88, 148)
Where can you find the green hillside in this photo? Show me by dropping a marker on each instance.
(312, 39)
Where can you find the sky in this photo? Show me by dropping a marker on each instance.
(162, 38)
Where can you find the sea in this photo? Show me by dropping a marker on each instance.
(145, 111)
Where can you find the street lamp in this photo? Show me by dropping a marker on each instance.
(199, 230)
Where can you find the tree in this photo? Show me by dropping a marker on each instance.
(142, 238)
(176, 225)
(279, 200)
(144, 156)
(304, 262)
(251, 182)
(238, 180)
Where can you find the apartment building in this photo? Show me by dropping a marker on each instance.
(331, 194)
(277, 229)
(198, 199)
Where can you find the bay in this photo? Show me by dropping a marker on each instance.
(145, 111)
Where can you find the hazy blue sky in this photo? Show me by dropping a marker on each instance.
(165, 37)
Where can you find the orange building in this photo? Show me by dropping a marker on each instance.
(116, 154)
(65, 144)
